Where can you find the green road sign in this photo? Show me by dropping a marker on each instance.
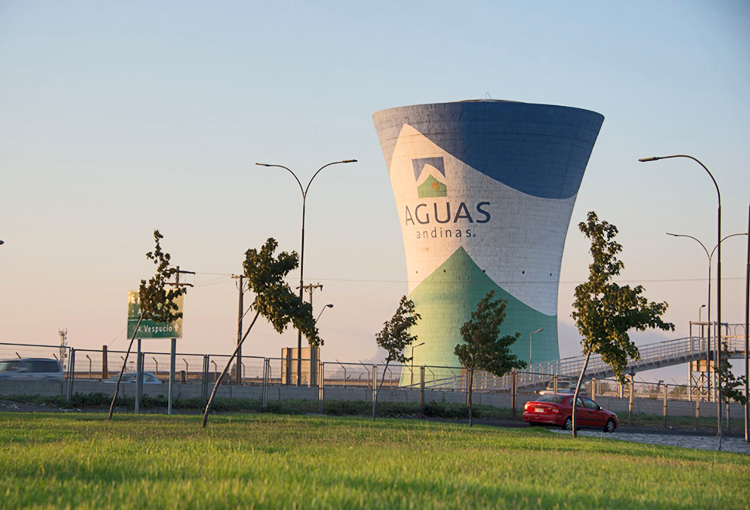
(149, 328)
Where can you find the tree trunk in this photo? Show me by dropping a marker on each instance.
(471, 387)
(122, 370)
(224, 372)
(578, 389)
(377, 393)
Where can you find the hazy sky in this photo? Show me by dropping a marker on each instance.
(120, 118)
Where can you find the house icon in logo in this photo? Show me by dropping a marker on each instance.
(432, 186)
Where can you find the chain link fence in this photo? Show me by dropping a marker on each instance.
(90, 371)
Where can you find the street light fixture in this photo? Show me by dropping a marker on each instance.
(329, 305)
(302, 248)
(531, 339)
(700, 309)
(718, 265)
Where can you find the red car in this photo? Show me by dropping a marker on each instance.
(558, 410)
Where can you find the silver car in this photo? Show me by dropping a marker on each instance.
(129, 377)
(31, 369)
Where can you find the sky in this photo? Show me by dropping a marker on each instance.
(117, 119)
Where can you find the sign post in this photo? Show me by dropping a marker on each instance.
(153, 329)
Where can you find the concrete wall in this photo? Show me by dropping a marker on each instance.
(333, 393)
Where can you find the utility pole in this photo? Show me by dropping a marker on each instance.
(173, 349)
(63, 345)
(240, 315)
(310, 288)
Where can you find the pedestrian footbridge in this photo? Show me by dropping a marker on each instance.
(658, 355)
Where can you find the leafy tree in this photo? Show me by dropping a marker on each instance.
(395, 337)
(484, 349)
(604, 311)
(157, 301)
(731, 387)
(274, 300)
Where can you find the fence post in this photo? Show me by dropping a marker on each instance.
(71, 376)
(374, 382)
(204, 390)
(554, 383)
(105, 368)
(266, 377)
(593, 388)
(321, 391)
(138, 372)
(630, 399)
(666, 387)
(172, 362)
(421, 389)
(697, 412)
(513, 395)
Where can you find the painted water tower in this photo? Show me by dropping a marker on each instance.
(484, 191)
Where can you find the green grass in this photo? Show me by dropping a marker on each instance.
(272, 461)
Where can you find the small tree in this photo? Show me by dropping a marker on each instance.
(274, 300)
(394, 338)
(484, 349)
(604, 312)
(157, 301)
(731, 387)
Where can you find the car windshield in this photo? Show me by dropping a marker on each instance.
(8, 366)
(554, 399)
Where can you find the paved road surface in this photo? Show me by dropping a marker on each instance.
(728, 444)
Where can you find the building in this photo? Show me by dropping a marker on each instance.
(484, 191)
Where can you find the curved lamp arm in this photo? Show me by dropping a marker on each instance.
(657, 158)
(321, 168)
(288, 170)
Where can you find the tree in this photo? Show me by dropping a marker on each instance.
(395, 337)
(604, 311)
(157, 302)
(484, 349)
(731, 387)
(274, 300)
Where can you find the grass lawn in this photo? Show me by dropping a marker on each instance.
(274, 461)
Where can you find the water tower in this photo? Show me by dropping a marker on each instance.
(484, 191)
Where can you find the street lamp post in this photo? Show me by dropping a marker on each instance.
(710, 257)
(718, 262)
(302, 248)
(700, 309)
(747, 333)
(531, 340)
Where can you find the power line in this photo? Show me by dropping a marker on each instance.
(506, 282)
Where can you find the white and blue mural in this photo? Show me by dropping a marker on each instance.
(484, 191)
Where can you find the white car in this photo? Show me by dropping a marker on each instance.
(563, 387)
(31, 369)
(129, 377)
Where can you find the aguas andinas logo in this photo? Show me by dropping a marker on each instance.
(431, 187)
(442, 212)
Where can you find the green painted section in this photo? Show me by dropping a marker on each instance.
(431, 187)
(445, 300)
(150, 328)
